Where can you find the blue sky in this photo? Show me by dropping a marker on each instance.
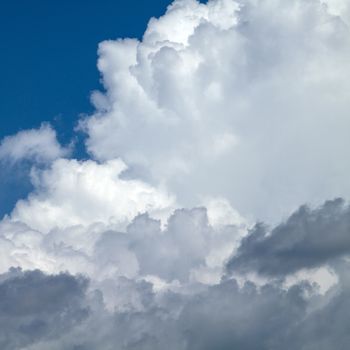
(48, 59)
(48, 65)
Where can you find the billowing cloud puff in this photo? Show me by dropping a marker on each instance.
(39, 145)
(246, 100)
(183, 251)
(75, 192)
(150, 286)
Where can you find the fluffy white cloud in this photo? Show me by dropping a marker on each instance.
(73, 192)
(39, 145)
(246, 100)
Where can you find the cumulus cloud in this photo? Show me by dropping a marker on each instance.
(39, 145)
(245, 100)
(149, 286)
(238, 109)
(223, 316)
(185, 250)
(72, 192)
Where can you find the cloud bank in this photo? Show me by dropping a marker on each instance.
(224, 114)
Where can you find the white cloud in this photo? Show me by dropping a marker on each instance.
(339, 8)
(252, 107)
(75, 192)
(39, 145)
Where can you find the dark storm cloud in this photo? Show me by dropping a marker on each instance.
(307, 239)
(225, 317)
(221, 317)
(328, 327)
(34, 306)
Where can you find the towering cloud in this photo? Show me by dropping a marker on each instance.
(246, 100)
(236, 109)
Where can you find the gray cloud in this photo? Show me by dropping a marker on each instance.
(133, 302)
(327, 327)
(307, 239)
(223, 317)
(56, 312)
(35, 306)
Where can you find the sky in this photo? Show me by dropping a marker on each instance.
(175, 175)
(49, 55)
(48, 65)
